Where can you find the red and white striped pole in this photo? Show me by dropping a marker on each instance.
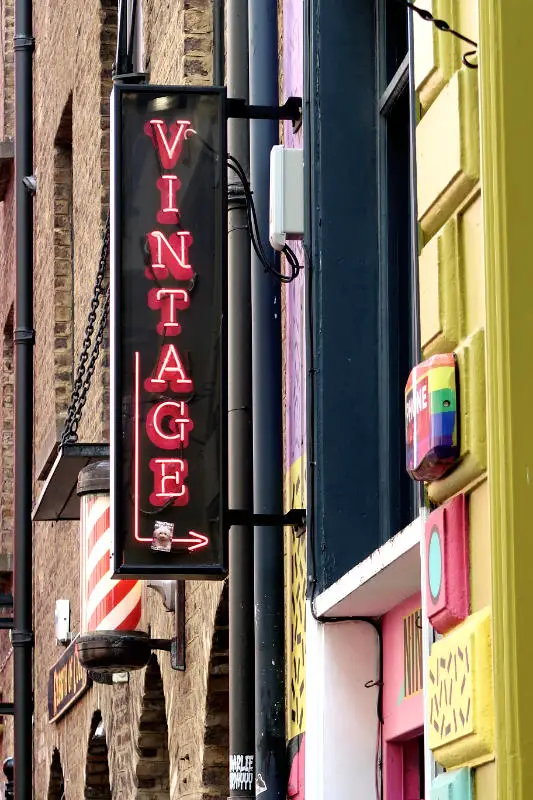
(107, 604)
(112, 636)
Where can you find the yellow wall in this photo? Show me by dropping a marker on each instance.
(507, 170)
(453, 319)
(296, 587)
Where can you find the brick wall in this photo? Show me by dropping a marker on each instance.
(166, 732)
(7, 465)
(7, 292)
(7, 106)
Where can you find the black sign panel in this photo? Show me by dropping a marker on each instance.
(168, 331)
(67, 682)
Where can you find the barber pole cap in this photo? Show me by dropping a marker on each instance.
(112, 638)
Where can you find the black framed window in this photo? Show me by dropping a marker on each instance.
(362, 285)
(397, 285)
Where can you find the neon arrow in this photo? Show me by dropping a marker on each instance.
(198, 541)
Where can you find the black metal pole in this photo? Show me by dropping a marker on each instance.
(22, 634)
(218, 43)
(241, 540)
(271, 781)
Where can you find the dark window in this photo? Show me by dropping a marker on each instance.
(362, 306)
(394, 38)
(396, 258)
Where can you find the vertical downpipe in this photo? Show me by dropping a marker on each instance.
(241, 540)
(271, 780)
(24, 335)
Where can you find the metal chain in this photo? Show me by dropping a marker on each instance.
(88, 357)
(444, 26)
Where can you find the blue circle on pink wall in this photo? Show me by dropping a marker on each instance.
(435, 564)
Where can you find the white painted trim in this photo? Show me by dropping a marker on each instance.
(428, 637)
(341, 712)
(388, 576)
(314, 712)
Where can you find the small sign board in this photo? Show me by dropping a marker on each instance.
(431, 421)
(168, 331)
(67, 682)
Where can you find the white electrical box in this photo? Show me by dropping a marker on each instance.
(286, 195)
(62, 622)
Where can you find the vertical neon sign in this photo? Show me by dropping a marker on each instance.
(168, 331)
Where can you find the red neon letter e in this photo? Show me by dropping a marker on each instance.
(169, 477)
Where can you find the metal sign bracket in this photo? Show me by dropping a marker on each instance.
(290, 110)
(295, 518)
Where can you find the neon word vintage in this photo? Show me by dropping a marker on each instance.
(168, 423)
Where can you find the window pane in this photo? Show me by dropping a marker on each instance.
(399, 302)
(395, 37)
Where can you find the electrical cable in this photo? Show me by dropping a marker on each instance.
(255, 236)
(444, 27)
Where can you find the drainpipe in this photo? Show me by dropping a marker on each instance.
(271, 780)
(218, 42)
(22, 634)
(241, 540)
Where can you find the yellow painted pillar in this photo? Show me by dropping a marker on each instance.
(507, 180)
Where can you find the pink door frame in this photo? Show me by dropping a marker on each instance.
(403, 717)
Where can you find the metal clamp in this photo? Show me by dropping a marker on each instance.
(23, 42)
(24, 335)
(131, 77)
(21, 638)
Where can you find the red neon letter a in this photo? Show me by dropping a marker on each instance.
(169, 373)
(168, 147)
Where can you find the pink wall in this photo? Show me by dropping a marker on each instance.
(294, 329)
(295, 292)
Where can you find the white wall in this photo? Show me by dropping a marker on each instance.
(341, 729)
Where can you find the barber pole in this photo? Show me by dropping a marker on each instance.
(112, 636)
(107, 604)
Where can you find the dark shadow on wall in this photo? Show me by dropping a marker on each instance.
(56, 784)
(97, 786)
(153, 768)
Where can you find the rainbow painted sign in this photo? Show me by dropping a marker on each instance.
(431, 418)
